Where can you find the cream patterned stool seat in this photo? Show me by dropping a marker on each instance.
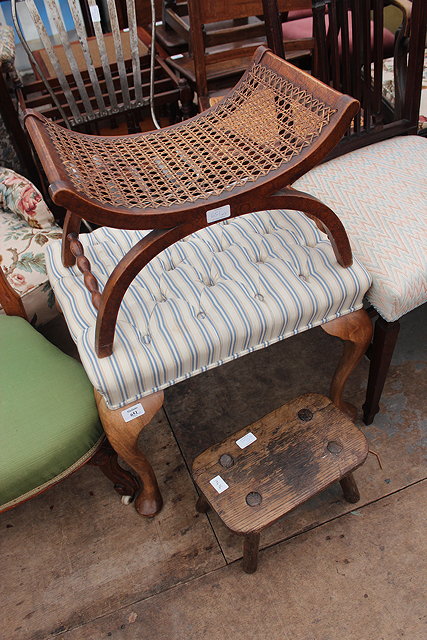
(379, 194)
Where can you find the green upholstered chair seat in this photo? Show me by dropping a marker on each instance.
(48, 419)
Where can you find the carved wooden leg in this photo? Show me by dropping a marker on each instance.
(72, 224)
(385, 337)
(349, 488)
(356, 330)
(125, 482)
(250, 552)
(123, 437)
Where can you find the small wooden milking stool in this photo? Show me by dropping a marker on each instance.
(267, 469)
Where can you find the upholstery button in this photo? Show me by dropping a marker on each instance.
(146, 339)
(201, 315)
(302, 277)
(259, 296)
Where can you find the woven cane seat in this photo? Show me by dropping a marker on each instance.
(221, 293)
(267, 123)
(264, 124)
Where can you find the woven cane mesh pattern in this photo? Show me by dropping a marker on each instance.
(262, 125)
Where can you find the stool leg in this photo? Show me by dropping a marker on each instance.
(250, 552)
(202, 505)
(349, 488)
(123, 437)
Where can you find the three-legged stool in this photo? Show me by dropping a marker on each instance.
(259, 474)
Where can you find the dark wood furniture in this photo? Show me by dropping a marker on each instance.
(125, 483)
(238, 157)
(218, 40)
(262, 472)
(352, 72)
(356, 69)
(97, 78)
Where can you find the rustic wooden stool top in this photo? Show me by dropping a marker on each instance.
(262, 472)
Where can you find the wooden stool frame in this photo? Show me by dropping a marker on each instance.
(173, 221)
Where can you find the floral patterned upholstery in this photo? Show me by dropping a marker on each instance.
(26, 225)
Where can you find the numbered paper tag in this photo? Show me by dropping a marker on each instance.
(218, 214)
(133, 412)
(94, 13)
(246, 440)
(219, 484)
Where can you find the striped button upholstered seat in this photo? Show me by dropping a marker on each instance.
(220, 293)
(379, 194)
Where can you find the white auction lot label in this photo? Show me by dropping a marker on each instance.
(133, 412)
(219, 484)
(246, 440)
(213, 215)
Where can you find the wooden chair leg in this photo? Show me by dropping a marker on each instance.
(356, 330)
(349, 488)
(385, 337)
(250, 552)
(123, 437)
(125, 483)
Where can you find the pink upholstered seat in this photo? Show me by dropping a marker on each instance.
(303, 28)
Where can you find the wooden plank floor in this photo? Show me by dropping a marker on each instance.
(78, 565)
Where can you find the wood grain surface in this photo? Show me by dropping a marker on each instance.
(300, 449)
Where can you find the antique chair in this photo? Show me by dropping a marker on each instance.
(26, 226)
(48, 417)
(377, 191)
(191, 294)
(90, 78)
(221, 38)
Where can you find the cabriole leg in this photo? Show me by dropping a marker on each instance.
(356, 331)
(123, 437)
(125, 482)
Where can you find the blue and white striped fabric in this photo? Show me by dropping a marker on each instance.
(232, 288)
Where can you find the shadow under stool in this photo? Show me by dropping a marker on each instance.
(262, 472)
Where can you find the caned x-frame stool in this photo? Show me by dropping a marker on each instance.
(262, 472)
(205, 252)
